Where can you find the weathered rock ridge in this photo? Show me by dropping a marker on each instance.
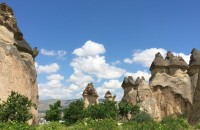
(17, 63)
(172, 89)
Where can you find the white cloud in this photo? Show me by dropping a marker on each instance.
(60, 53)
(55, 77)
(73, 87)
(80, 79)
(116, 62)
(90, 48)
(51, 68)
(185, 57)
(93, 64)
(145, 57)
(48, 53)
(139, 73)
(112, 84)
(46, 92)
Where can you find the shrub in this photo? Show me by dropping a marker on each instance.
(132, 125)
(125, 108)
(16, 108)
(74, 112)
(174, 123)
(52, 126)
(103, 110)
(54, 114)
(13, 125)
(142, 117)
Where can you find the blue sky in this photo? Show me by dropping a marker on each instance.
(83, 41)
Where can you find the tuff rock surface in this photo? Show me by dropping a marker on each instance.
(170, 89)
(194, 72)
(90, 95)
(17, 63)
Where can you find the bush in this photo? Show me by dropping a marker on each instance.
(54, 114)
(16, 108)
(52, 126)
(132, 125)
(16, 126)
(104, 110)
(74, 112)
(174, 123)
(125, 108)
(142, 117)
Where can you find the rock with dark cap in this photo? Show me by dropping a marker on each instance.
(195, 58)
(90, 95)
(158, 62)
(108, 96)
(138, 81)
(8, 20)
(128, 81)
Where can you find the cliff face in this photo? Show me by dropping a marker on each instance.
(17, 63)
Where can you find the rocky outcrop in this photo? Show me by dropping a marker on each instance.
(171, 85)
(169, 92)
(139, 92)
(90, 95)
(108, 96)
(17, 63)
(194, 72)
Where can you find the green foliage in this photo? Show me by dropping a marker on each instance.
(54, 114)
(142, 117)
(173, 123)
(104, 110)
(125, 108)
(16, 108)
(132, 125)
(74, 112)
(16, 126)
(52, 126)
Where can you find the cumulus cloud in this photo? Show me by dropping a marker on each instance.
(93, 64)
(139, 73)
(51, 68)
(73, 87)
(80, 79)
(116, 62)
(46, 92)
(55, 77)
(145, 57)
(60, 53)
(90, 48)
(112, 84)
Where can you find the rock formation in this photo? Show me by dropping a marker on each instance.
(17, 63)
(171, 85)
(169, 91)
(90, 95)
(139, 92)
(194, 72)
(108, 96)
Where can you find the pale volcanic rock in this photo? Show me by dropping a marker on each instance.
(173, 93)
(90, 95)
(17, 65)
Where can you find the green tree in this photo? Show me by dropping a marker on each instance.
(16, 108)
(125, 108)
(54, 113)
(107, 109)
(74, 112)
